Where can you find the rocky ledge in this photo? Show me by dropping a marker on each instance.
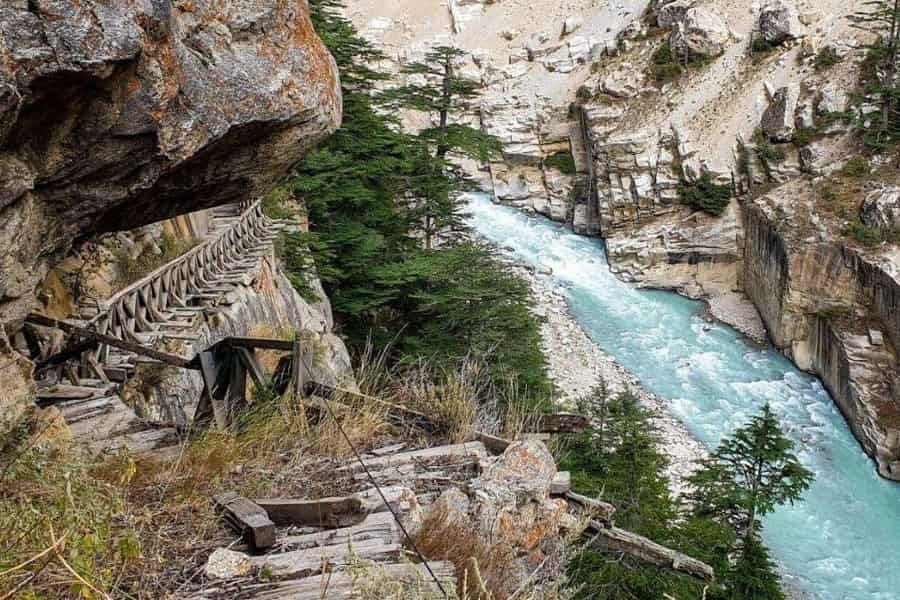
(118, 114)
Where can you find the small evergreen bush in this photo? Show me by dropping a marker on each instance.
(665, 67)
(857, 167)
(826, 58)
(562, 161)
(705, 194)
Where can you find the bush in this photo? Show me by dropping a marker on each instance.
(561, 161)
(857, 167)
(665, 67)
(583, 94)
(870, 236)
(826, 58)
(706, 195)
(761, 45)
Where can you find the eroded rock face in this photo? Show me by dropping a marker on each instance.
(779, 22)
(118, 114)
(700, 33)
(881, 209)
(778, 121)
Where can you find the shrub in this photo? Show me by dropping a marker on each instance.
(583, 94)
(826, 58)
(665, 67)
(561, 161)
(857, 167)
(761, 45)
(706, 195)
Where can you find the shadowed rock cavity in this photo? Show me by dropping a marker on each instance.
(118, 114)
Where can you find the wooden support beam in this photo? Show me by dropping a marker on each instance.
(335, 512)
(298, 370)
(259, 343)
(562, 483)
(248, 357)
(89, 334)
(560, 423)
(603, 511)
(247, 518)
(613, 539)
(72, 351)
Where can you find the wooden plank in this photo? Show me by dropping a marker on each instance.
(493, 443)
(297, 369)
(337, 584)
(74, 350)
(468, 451)
(561, 423)
(324, 512)
(312, 560)
(248, 357)
(380, 526)
(246, 518)
(613, 539)
(171, 359)
(562, 483)
(97, 368)
(67, 392)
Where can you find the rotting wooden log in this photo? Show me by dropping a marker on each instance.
(613, 539)
(297, 563)
(560, 423)
(603, 511)
(495, 444)
(562, 483)
(324, 512)
(247, 518)
(380, 526)
(338, 584)
(165, 357)
(62, 392)
(468, 450)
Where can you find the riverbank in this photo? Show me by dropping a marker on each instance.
(577, 365)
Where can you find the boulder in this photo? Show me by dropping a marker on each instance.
(777, 121)
(669, 15)
(881, 209)
(779, 22)
(571, 24)
(114, 115)
(525, 469)
(227, 564)
(702, 33)
(832, 99)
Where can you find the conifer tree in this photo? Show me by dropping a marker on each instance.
(436, 88)
(882, 18)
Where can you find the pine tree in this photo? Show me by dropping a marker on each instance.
(882, 18)
(439, 91)
(753, 575)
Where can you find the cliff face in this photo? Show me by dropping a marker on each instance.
(118, 114)
(832, 308)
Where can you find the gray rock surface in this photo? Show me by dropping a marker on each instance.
(881, 209)
(701, 33)
(118, 114)
(779, 22)
(777, 122)
(669, 15)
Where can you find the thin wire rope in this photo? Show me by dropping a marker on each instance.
(378, 487)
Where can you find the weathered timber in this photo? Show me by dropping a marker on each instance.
(165, 357)
(378, 526)
(562, 483)
(613, 539)
(72, 351)
(603, 511)
(337, 585)
(313, 560)
(248, 358)
(324, 512)
(247, 518)
(560, 423)
(473, 451)
(62, 392)
(493, 443)
(258, 343)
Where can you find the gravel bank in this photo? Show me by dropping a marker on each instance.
(577, 364)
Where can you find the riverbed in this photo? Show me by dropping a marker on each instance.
(843, 540)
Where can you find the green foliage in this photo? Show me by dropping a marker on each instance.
(826, 58)
(665, 66)
(881, 82)
(870, 236)
(753, 575)
(857, 167)
(561, 161)
(704, 194)
(761, 45)
(751, 472)
(583, 94)
(376, 195)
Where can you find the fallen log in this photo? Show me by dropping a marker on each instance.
(324, 512)
(247, 518)
(560, 423)
(613, 539)
(603, 511)
(379, 526)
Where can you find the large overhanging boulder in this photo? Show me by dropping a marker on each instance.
(118, 114)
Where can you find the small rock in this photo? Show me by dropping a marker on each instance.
(701, 33)
(571, 24)
(227, 564)
(779, 22)
(876, 337)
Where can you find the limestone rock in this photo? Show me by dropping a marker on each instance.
(148, 109)
(525, 469)
(779, 22)
(625, 82)
(227, 564)
(778, 120)
(881, 209)
(832, 99)
(669, 15)
(571, 24)
(701, 33)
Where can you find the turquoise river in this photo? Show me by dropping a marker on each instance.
(842, 542)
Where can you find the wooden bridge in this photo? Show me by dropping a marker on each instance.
(132, 327)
